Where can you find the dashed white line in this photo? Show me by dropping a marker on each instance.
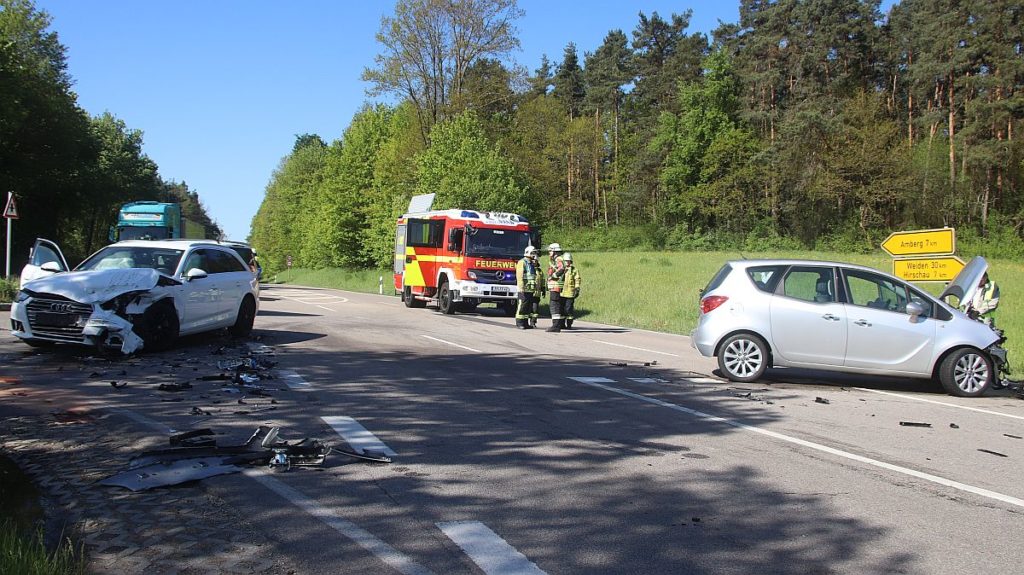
(292, 379)
(704, 380)
(453, 344)
(979, 410)
(356, 435)
(811, 445)
(386, 553)
(490, 552)
(636, 348)
(646, 380)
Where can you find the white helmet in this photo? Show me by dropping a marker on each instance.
(567, 257)
(530, 251)
(554, 248)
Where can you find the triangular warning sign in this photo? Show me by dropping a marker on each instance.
(11, 211)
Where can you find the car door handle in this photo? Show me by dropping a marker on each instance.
(830, 317)
(862, 323)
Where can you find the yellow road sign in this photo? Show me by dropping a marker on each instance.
(941, 241)
(927, 269)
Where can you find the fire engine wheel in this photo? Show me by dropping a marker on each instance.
(444, 300)
(409, 300)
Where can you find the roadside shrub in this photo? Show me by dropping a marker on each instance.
(8, 289)
(1002, 241)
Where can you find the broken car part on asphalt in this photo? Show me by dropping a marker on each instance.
(195, 455)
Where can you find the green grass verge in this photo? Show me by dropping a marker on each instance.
(22, 547)
(660, 291)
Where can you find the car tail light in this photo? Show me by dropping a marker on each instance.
(711, 302)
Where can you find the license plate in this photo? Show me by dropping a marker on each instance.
(499, 289)
(55, 319)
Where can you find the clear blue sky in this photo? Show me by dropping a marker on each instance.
(221, 88)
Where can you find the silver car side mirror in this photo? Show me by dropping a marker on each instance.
(915, 309)
(195, 274)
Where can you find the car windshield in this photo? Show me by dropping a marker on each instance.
(164, 260)
(485, 242)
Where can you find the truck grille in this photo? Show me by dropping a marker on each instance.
(502, 277)
(57, 318)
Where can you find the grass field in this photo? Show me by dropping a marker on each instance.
(660, 291)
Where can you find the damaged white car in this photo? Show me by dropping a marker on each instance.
(135, 294)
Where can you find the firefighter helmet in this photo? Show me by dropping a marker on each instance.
(554, 248)
(530, 251)
(567, 257)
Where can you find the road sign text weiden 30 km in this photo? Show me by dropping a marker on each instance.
(940, 269)
(938, 242)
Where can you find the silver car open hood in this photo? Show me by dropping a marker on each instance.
(96, 286)
(965, 283)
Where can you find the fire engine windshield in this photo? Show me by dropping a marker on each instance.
(484, 242)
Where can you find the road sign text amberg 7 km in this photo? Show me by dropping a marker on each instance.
(938, 242)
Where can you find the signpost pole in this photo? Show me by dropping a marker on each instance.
(7, 267)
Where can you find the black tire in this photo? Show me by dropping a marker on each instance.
(246, 317)
(159, 326)
(967, 372)
(409, 300)
(743, 357)
(444, 299)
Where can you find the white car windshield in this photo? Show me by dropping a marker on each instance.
(164, 260)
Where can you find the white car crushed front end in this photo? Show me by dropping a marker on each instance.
(96, 308)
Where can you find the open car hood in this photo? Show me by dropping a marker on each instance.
(965, 283)
(100, 285)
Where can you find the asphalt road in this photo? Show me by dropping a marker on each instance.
(597, 450)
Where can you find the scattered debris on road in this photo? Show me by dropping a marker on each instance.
(1013, 436)
(914, 424)
(195, 455)
(989, 451)
(821, 400)
(954, 426)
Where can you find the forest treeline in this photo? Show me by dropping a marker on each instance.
(69, 171)
(808, 123)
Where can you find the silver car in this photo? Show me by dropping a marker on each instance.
(756, 314)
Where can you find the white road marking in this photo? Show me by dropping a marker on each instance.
(704, 380)
(317, 298)
(593, 379)
(356, 435)
(636, 348)
(292, 379)
(647, 380)
(326, 308)
(453, 344)
(811, 445)
(386, 553)
(490, 552)
(900, 395)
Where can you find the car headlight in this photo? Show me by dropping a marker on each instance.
(22, 296)
(471, 274)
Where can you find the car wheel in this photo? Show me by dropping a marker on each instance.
(966, 372)
(245, 319)
(159, 326)
(743, 357)
(444, 300)
(409, 300)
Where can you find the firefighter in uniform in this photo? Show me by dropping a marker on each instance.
(984, 302)
(529, 284)
(570, 291)
(556, 281)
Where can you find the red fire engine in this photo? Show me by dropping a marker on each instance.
(459, 259)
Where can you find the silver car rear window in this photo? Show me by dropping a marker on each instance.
(718, 279)
(766, 277)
